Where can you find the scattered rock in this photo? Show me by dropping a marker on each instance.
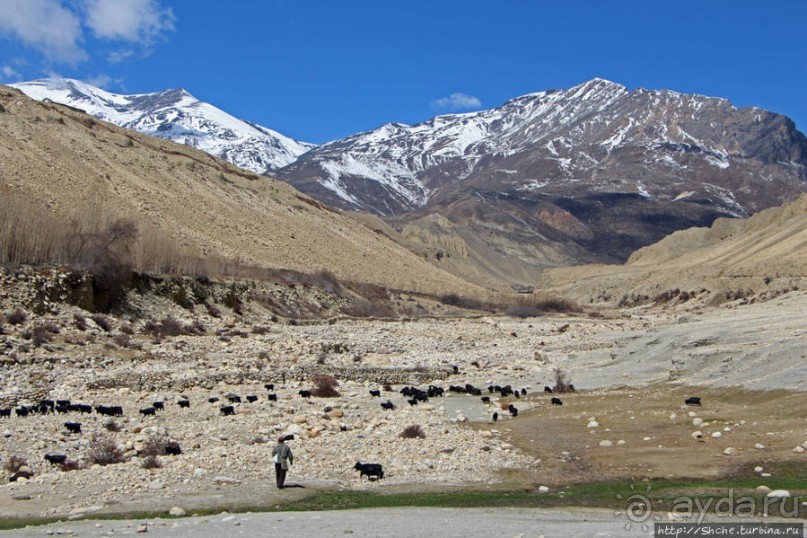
(606, 443)
(778, 494)
(176, 511)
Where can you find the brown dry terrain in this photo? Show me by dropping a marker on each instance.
(63, 160)
(657, 429)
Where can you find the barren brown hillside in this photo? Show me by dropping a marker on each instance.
(764, 253)
(65, 160)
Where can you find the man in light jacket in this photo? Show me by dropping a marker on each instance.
(282, 456)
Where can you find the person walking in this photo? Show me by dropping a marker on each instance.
(283, 457)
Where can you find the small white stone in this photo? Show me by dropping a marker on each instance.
(621, 442)
(778, 494)
(543, 489)
(692, 414)
(647, 438)
(763, 489)
(759, 446)
(730, 451)
(593, 424)
(717, 435)
(697, 434)
(697, 421)
(799, 450)
(758, 469)
(605, 443)
(177, 511)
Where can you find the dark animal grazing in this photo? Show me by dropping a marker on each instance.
(159, 406)
(47, 404)
(64, 403)
(56, 459)
(547, 390)
(495, 417)
(434, 391)
(21, 411)
(148, 412)
(232, 398)
(523, 392)
(485, 399)
(20, 474)
(84, 409)
(62, 409)
(413, 401)
(304, 393)
(376, 393)
(491, 389)
(517, 394)
(172, 449)
(556, 401)
(513, 411)
(73, 427)
(456, 388)
(694, 400)
(227, 410)
(5, 412)
(272, 397)
(110, 410)
(369, 469)
(455, 369)
(185, 404)
(269, 386)
(252, 398)
(388, 405)
(213, 399)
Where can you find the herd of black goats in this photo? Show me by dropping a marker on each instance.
(413, 395)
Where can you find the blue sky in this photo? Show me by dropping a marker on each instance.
(319, 70)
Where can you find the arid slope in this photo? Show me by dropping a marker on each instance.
(69, 162)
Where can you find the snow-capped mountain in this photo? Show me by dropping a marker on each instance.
(590, 173)
(178, 116)
(597, 135)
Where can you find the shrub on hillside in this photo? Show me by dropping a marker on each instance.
(413, 432)
(104, 450)
(325, 386)
(17, 317)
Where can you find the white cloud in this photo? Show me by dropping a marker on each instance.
(102, 81)
(8, 73)
(136, 21)
(45, 25)
(457, 101)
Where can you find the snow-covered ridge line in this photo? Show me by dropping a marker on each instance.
(178, 116)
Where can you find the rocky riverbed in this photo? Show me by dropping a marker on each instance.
(225, 460)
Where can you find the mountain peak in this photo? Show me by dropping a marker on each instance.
(176, 115)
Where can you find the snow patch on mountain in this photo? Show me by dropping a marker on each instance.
(178, 116)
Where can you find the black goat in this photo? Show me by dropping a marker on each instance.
(252, 398)
(547, 390)
(269, 386)
(388, 405)
(376, 393)
(513, 410)
(73, 427)
(232, 398)
(304, 393)
(159, 406)
(272, 397)
(413, 401)
(227, 410)
(148, 412)
(172, 448)
(694, 400)
(56, 459)
(495, 417)
(6, 412)
(556, 401)
(485, 399)
(213, 399)
(369, 469)
(184, 404)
